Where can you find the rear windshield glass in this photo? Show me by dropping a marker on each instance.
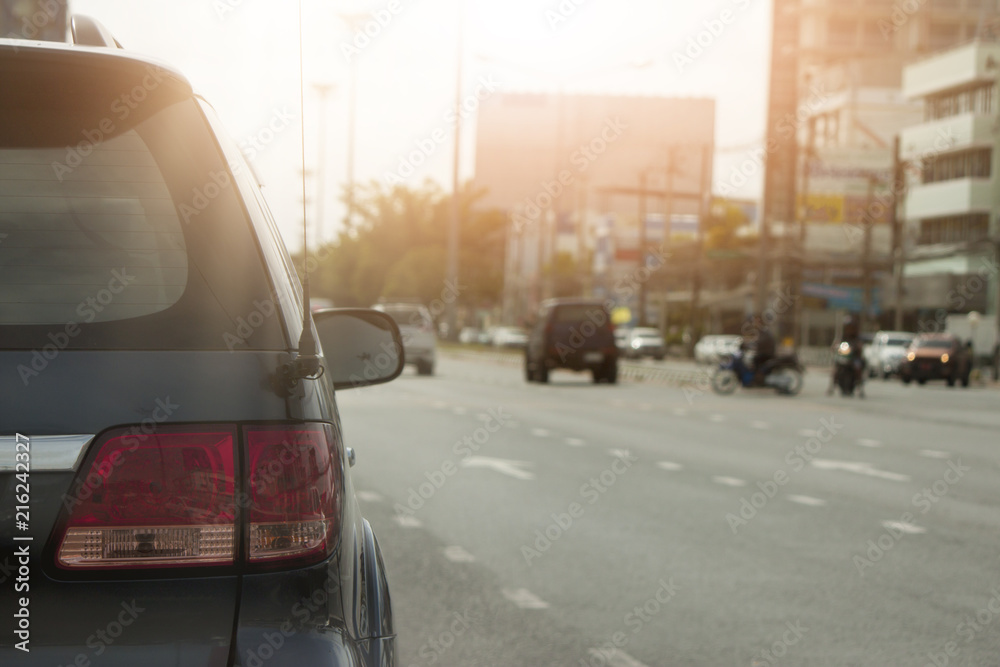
(899, 342)
(579, 312)
(936, 344)
(119, 225)
(406, 316)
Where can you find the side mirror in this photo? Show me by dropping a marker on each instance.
(362, 347)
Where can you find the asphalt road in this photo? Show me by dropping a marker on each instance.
(638, 524)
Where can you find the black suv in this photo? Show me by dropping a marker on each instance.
(174, 480)
(576, 334)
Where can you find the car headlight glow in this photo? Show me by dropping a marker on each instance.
(944, 358)
(910, 356)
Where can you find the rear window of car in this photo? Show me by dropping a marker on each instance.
(899, 342)
(577, 312)
(119, 225)
(407, 315)
(937, 343)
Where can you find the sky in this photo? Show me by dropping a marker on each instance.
(243, 57)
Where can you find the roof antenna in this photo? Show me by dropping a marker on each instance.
(306, 365)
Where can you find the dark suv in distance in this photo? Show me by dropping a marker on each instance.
(936, 356)
(575, 334)
(174, 480)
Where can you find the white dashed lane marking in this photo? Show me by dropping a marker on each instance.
(859, 468)
(934, 454)
(717, 418)
(728, 481)
(524, 599)
(459, 410)
(808, 432)
(759, 425)
(613, 658)
(540, 432)
(680, 412)
(869, 442)
(904, 527)
(574, 442)
(407, 521)
(457, 554)
(669, 465)
(369, 496)
(807, 500)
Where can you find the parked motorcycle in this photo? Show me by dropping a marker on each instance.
(848, 369)
(783, 374)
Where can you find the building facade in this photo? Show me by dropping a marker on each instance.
(576, 174)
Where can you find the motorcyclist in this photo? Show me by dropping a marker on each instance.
(763, 344)
(851, 334)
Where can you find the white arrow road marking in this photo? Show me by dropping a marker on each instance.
(807, 500)
(904, 527)
(503, 466)
(614, 658)
(574, 442)
(934, 454)
(540, 432)
(760, 425)
(524, 598)
(869, 442)
(457, 554)
(369, 496)
(669, 465)
(407, 521)
(729, 481)
(860, 468)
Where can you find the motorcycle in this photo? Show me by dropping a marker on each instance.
(848, 369)
(783, 374)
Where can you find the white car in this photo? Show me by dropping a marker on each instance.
(711, 349)
(510, 337)
(887, 349)
(417, 328)
(645, 342)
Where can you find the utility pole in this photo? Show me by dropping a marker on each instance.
(453, 227)
(898, 252)
(699, 254)
(866, 257)
(642, 247)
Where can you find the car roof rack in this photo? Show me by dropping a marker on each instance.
(89, 31)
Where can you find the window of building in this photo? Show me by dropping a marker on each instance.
(965, 228)
(976, 163)
(979, 99)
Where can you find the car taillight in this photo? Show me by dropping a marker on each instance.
(295, 492)
(154, 500)
(169, 499)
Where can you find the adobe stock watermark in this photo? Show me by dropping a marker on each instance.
(88, 311)
(704, 39)
(970, 626)
(893, 531)
(252, 145)
(562, 12)
(497, 418)
(635, 620)
(591, 491)
(898, 17)
(582, 157)
(427, 146)
(119, 111)
(779, 648)
(796, 458)
(370, 30)
(785, 129)
(432, 650)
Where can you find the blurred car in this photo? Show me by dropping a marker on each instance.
(515, 337)
(187, 458)
(486, 336)
(621, 339)
(886, 351)
(417, 326)
(469, 335)
(645, 342)
(937, 356)
(711, 349)
(575, 334)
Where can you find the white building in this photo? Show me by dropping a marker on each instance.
(952, 206)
